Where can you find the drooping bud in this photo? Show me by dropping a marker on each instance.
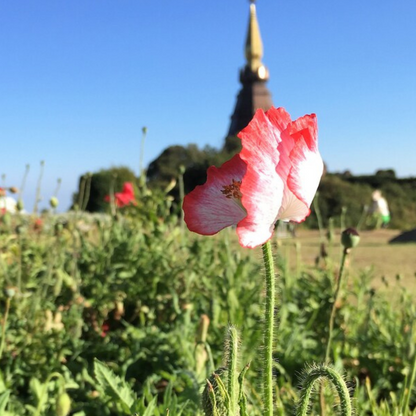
(63, 404)
(350, 238)
(214, 394)
(53, 202)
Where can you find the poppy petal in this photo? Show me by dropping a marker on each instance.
(207, 209)
(307, 164)
(262, 187)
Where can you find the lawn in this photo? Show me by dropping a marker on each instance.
(373, 253)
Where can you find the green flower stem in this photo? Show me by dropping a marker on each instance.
(331, 326)
(408, 390)
(3, 330)
(38, 187)
(232, 370)
(269, 327)
(315, 374)
(336, 294)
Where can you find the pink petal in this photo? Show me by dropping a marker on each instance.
(262, 186)
(306, 171)
(207, 210)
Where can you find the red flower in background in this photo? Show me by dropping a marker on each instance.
(274, 177)
(125, 197)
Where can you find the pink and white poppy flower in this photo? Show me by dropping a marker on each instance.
(274, 177)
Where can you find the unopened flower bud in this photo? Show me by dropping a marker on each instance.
(10, 292)
(13, 190)
(182, 169)
(213, 399)
(144, 130)
(63, 404)
(53, 202)
(350, 238)
(171, 185)
(203, 328)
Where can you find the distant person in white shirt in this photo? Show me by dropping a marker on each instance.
(380, 208)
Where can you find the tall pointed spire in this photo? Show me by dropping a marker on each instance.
(254, 45)
(254, 93)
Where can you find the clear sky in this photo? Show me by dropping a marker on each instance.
(79, 80)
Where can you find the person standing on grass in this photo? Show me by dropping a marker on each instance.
(380, 209)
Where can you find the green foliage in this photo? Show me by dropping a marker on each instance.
(130, 290)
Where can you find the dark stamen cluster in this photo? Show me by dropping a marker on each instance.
(233, 190)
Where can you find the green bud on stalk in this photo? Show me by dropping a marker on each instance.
(10, 292)
(350, 238)
(53, 202)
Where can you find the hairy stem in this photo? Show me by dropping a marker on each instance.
(315, 374)
(334, 305)
(232, 369)
(269, 328)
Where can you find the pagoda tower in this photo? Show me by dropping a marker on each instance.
(254, 93)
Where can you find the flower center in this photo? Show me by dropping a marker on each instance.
(232, 190)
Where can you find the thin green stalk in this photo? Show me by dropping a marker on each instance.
(334, 305)
(269, 328)
(3, 330)
(331, 326)
(38, 187)
(318, 217)
(142, 173)
(408, 389)
(22, 186)
(232, 348)
(182, 195)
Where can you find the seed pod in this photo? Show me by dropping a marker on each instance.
(53, 202)
(350, 238)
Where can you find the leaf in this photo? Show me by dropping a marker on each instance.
(113, 385)
(151, 407)
(4, 399)
(36, 387)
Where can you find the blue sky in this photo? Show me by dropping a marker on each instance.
(79, 80)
